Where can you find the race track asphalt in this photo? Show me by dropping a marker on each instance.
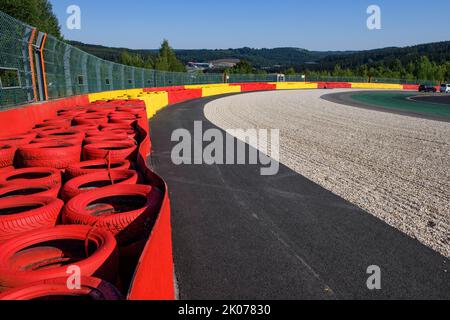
(345, 98)
(433, 98)
(240, 235)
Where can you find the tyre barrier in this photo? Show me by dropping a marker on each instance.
(88, 182)
(132, 210)
(51, 151)
(19, 215)
(55, 289)
(46, 254)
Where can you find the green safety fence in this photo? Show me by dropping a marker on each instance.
(71, 71)
(16, 77)
(239, 78)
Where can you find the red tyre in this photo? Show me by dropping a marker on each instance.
(28, 189)
(57, 289)
(88, 167)
(111, 150)
(92, 181)
(7, 154)
(19, 215)
(47, 253)
(42, 176)
(56, 154)
(134, 209)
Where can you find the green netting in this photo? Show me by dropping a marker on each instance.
(71, 71)
(15, 72)
(239, 78)
(336, 79)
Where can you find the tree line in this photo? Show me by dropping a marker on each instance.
(420, 69)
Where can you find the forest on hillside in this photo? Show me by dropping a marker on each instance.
(428, 61)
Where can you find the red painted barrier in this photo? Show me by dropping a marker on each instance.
(153, 279)
(334, 85)
(255, 86)
(184, 95)
(414, 87)
(23, 119)
(154, 274)
(174, 88)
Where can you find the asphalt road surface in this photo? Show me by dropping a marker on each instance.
(240, 235)
(345, 98)
(434, 98)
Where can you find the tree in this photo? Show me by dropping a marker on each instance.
(135, 60)
(447, 72)
(37, 13)
(243, 67)
(290, 72)
(424, 69)
(167, 60)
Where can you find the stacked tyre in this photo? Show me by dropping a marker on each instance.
(71, 197)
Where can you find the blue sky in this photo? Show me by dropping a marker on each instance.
(314, 25)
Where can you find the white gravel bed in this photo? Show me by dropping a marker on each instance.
(394, 167)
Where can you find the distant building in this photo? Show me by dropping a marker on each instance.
(221, 64)
(225, 63)
(198, 66)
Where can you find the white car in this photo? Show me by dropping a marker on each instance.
(445, 88)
